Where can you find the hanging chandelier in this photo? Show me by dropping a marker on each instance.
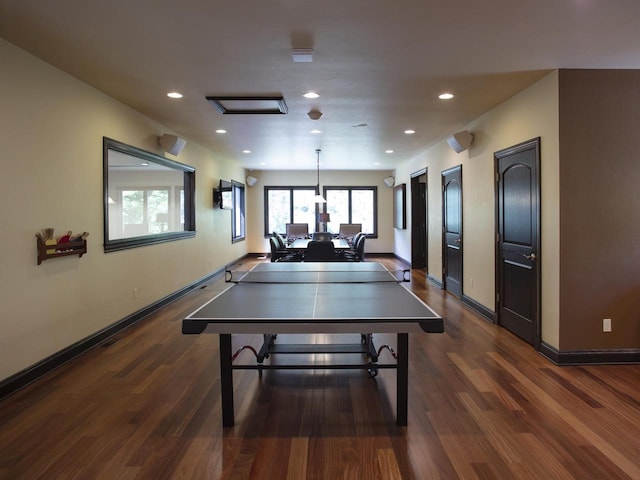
(319, 198)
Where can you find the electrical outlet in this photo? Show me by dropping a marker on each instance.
(135, 293)
(606, 324)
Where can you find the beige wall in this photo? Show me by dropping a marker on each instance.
(529, 114)
(257, 243)
(51, 152)
(600, 200)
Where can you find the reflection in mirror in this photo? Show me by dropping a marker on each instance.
(148, 198)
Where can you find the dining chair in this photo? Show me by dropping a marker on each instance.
(356, 253)
(297, 230)
(323, 236)
(320, 252)
(348, 231)
(360, 248)
(279, 252)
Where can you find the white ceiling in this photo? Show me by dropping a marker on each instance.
(376, 62)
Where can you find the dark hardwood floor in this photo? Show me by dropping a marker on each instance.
(482, 405)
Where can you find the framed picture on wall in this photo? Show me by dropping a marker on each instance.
(399, 206)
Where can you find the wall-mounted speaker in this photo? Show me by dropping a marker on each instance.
(389, 181)
(251, 181)
(460, 141)
(171, 143)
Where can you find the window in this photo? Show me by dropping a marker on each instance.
(144, 211)
(147, 198)
(238, 212)
(284, 205)
(352, 205)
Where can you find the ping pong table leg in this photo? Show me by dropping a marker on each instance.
(402, 383)
(226, 380)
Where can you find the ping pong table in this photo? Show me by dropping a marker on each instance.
(309, 298)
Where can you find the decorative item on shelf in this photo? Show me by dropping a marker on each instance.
(62, 240)
(49, 240)
(65, 238)
(40, 238)
(67, 244)
(79, 237)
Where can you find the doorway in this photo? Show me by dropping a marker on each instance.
(452, 230)
(419, 219)
(518, 240)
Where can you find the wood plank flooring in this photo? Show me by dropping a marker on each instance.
(482, 405)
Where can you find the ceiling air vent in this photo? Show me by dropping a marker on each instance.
(249, 105)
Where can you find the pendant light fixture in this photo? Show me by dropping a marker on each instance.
(319, 198)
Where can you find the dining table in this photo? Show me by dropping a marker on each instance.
(300, 244)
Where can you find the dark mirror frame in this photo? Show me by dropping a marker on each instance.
(189, 230)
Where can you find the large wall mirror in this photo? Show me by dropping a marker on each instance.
(147, 198)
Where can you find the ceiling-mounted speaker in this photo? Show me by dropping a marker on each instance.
(251, 181)
(171, 143)
(389, 181)
(460, 141)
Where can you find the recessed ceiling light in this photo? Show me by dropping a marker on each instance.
(302, 55)
(409, 132)
(145, 164)
(311, 95)
(174, 95)
(315, 131)
(221, 130)
(246, 151)
(446, 96)
(388, 151)
(376, 163)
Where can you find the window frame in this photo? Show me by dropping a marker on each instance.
(350, 189)
(291, 189)
(238, 194)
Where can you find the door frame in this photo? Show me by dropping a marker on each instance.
(529, 144)
(445, 265)
(419, 214)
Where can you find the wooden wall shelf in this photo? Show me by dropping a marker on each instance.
(60, 250)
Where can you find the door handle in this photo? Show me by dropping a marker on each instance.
(529, 257)
(458, 240)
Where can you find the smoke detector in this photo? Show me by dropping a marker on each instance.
(314, 114)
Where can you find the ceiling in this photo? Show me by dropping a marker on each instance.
(378, 65)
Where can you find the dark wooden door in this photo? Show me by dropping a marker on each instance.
(419, 220)
(518, 240)
(452, 230)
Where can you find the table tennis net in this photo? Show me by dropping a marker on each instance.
(315, 277)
